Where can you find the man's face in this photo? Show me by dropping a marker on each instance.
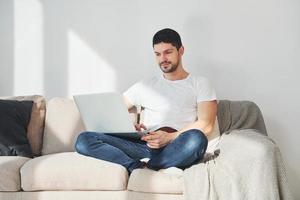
(167, 56)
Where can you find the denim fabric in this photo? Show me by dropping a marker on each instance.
(188, 148)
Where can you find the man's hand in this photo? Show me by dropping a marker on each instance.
(158, 139)
(140, 127)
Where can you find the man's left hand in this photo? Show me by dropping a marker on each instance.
(158, 139)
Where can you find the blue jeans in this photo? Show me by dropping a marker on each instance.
(188, 148)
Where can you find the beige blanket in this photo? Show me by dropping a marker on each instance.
(247, 164)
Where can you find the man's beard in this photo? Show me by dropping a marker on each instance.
(169, 68)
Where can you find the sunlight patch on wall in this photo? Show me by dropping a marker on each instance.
(88, 72)
(28, 47)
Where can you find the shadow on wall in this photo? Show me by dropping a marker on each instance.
(90, 22)
(7, 50)
(55, 51)
(199, 36)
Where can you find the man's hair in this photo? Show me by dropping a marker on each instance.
(167, 35)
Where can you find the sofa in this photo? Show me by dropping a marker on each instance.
(57, 172)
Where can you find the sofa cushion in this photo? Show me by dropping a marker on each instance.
(167, 181)
(63, 125)
(36, 124)
(10, 172)
(72, 171)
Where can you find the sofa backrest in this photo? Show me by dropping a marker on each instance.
(62, 126)
(63, 123)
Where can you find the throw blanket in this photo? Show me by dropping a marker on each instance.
(246, 165)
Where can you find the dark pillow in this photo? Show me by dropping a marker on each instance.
(35, 129)
(14, 119)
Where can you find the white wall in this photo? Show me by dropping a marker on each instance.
(249, 49)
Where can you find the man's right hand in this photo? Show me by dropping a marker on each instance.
(140, 127)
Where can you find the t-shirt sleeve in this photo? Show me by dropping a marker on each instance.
(133, 94)
(205, 91)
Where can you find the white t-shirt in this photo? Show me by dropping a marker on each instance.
(170, 103)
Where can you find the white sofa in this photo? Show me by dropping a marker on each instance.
(59, 173)
(62, 174)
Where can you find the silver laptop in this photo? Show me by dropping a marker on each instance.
(106, 113)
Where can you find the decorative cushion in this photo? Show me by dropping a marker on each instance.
(35, 129)
(10, 173)
(63, 125)
(14, 119)
(72, 171)
(168, 181)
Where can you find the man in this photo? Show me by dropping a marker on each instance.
(175, 100)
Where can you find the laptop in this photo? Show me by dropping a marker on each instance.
(107, 113)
